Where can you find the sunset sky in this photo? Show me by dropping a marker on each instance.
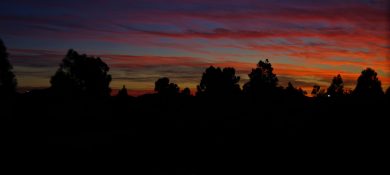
(307, 41)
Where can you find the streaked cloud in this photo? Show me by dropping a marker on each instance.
(308, 42)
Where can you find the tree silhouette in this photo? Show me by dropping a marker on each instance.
(336, 88)
(316, 90)
(7, 77)
(163, 87)
(368, 84)
(81, 75)
(262, 80)
(219, 82)
(388, 93)
(293, 92)
(122, 92)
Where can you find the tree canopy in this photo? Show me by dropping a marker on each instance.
(336, 88)
(7, 77)
(368, 84)
(261, 79)
(163, 87)
(81, 75)
(219, 82)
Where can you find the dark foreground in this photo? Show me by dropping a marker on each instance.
(192, 135)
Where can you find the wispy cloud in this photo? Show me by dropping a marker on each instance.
(309, 41)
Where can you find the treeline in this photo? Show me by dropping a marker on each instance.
(80, 75)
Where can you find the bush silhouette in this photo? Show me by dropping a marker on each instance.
(262, 80)
(163, 87)
(368, 85)
(336, 88)
(81, 75)
(219, 82)
(7, 77)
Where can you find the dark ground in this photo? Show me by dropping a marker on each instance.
(192, 135)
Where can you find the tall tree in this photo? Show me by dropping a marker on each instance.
(368, 84)
(262, 80)
(336, 88)
(7, 77)
(81, 75)
(219, 82)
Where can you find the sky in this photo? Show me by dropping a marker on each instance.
(307, 41)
